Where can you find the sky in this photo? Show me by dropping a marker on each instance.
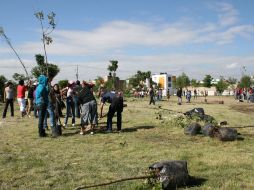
(198, 37)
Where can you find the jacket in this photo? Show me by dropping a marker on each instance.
(41, 94)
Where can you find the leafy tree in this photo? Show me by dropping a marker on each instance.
(134, 81)
(17, 77)
(62, 83)
(182, 81)
(113, 67)
(194, 83)
(245, 82)
(139, 77)
(221, 86)
(43, 68)
(3, 80)
(207, 81)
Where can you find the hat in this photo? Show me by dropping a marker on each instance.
(71, 82)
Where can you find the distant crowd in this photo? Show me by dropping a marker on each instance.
(42, 100)
(244, 94)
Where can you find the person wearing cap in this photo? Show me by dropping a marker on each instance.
(70, 107)
(88, 103)
(8, 98)
(116, 105)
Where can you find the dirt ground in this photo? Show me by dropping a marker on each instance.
(244, 108)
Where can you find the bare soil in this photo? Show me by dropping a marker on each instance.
(244, 108)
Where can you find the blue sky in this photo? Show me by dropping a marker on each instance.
(197, 37)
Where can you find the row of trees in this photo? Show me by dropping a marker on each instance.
(183, 81)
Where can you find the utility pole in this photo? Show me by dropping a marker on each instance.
(77, 75)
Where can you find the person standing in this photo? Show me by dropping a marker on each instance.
(21, 90)
(30, 98)
(88, 103)
(179, 95)
(116, 105)
(195, 94)
(59, 101)
(51, 109)
(34, 100)
(168, 94)
(188, 96)
(8, 98)
(70, 107)
(77, 88)
(151, 94)
(41, 100)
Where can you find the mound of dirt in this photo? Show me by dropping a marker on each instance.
(249, 108)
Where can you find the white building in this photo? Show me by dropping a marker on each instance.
(165, 82)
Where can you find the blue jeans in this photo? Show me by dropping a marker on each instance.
(42, 109)
(52, 118)
(70, 109)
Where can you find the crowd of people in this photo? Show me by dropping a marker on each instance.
(244, 94)
(47, 101)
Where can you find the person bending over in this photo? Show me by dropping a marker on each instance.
(116, 105)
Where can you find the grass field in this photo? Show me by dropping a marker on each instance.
(30, 162)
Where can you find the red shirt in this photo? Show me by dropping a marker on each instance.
(21, 91)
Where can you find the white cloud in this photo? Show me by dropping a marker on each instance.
(232, 65)
(228, 15)
(227, 36)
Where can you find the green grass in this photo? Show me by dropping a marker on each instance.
(30, 162)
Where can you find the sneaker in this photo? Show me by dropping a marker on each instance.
(73, 125)
(81, 133)
(108, 131)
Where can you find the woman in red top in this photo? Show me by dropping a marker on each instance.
(21, 89)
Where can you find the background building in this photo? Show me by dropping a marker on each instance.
(164, 82)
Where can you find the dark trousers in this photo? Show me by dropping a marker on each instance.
(7, 103)
(152, 100)
(77, 109)
(70, 110)
(42, 110)
(110, 115)
(35, 111)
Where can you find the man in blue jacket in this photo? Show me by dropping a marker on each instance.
(41, 100)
